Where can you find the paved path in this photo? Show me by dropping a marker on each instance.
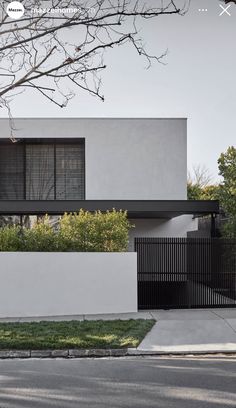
(137, 382)
(191, 331)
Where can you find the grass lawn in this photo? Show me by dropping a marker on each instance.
(73, 334)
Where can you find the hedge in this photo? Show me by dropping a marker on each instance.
(80, 232)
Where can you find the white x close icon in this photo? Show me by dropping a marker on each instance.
(225, 10)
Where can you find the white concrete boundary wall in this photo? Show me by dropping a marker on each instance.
(50, 284)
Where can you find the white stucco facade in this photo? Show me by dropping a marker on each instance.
(125, 159)
(162, 228)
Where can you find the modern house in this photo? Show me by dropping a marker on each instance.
(138, 165)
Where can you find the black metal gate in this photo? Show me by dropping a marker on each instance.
(186, 272)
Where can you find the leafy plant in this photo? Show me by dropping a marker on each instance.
(227, 169)
(81, 232)
(40, 238)
(10, 238)
(98, 232)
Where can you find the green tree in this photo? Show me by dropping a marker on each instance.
(227, 192)
(194, 191)
(210, 192)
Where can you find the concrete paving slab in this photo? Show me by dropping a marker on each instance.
(184, 315)
(121, 316)
(190, 336)
(229, 313)
(232, 323)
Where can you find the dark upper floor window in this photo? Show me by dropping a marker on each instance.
(42, 169)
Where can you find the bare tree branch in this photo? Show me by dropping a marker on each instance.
(37, 51)
(199, 176)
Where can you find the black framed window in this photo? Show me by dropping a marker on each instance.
(42, 169)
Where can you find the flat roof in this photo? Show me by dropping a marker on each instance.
(166, 209)
(98, 118)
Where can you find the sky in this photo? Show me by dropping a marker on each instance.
(198, 81)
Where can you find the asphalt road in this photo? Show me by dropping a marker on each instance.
(114, 383)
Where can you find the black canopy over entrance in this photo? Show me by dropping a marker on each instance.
(136, 208)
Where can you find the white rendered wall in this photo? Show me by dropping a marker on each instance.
(124, 158)
(175, 227)
(50, 284)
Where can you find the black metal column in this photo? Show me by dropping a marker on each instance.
(213, 225)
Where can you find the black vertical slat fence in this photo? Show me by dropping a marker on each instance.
(186, 272)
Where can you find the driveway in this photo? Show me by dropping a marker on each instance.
(192, 331)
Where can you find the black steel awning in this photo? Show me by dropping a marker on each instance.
(136, 208)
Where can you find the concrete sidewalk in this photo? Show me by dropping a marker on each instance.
(114, 316)
(191, 331)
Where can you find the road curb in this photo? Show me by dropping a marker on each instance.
(135, 352)
(99, 353)
(71, 353)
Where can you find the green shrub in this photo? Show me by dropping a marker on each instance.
(80, 232)
(10, 238)
(39, 238)
(98, 232)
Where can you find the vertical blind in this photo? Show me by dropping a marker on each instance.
(11, 172)
(69, 172)
(38, 171)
